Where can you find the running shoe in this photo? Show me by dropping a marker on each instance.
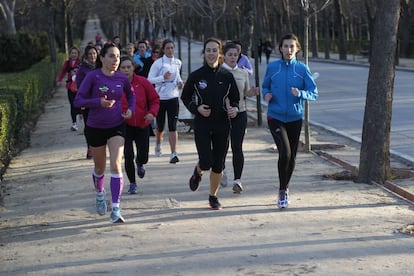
(101, 206)
(132, 188)
(195, 180)
(223, 181)
(237, 186)
(141, 171)
(174, 158)
(116, 216)
(214, 203)
(283, 201)
(74, 127)
(158, 151)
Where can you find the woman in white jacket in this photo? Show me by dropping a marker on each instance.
(239, 122)
(165, 75)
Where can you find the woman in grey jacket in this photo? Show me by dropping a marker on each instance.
(286, 85)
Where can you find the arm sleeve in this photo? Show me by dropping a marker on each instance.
(247, 89)
(83, 97)
(153, 75)
(153, 99)
(187, 95)
(266, 83)
(234, 95)
(63, 71)
(310, 91)
(80, 76)
(130, 95)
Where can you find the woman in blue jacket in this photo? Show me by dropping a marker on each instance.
(287, 84)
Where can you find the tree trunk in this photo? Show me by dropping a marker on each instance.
(314, 35)
(51, 30)
(247, 27)
(327, 36)
(287, 23)
(374, 162)
(340, 26)
(405, 29)
(69, 28)
(9, 15)
(371, 13)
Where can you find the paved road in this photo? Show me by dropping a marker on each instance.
(342, 102)
(342, 87)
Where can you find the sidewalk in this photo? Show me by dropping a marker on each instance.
(48, 225)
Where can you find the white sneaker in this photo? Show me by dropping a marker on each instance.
(116, 216)
(237, 186)
(174, 158)
(74, 127)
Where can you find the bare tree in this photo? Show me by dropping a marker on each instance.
(340, 25)
(248, 22)
(374, 164)
(406, 23)
(7, 11)
(51, 30)
(211, 10)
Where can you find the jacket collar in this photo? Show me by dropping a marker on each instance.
(289, 62)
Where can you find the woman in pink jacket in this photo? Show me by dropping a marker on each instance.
(69, 69)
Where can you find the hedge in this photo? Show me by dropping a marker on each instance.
(22, 50)
(22, 98)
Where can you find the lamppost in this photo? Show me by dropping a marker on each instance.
(256, 64)
(305, 6)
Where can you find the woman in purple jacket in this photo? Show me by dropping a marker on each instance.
(101, 91)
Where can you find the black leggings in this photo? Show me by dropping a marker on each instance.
(212, 142)
(141, 138)
(73, 110)
(171, 107)
(238, 129)
(85, 113)
(286, 137)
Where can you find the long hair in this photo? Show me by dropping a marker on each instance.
(75, 48)
(86, 51)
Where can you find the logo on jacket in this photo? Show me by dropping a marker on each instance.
(104, 88)
(202, 84)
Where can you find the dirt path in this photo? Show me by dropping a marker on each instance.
(49, 225)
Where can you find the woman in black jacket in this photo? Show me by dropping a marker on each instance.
(212, 96)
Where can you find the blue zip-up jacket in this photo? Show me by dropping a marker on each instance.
(280, 77)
